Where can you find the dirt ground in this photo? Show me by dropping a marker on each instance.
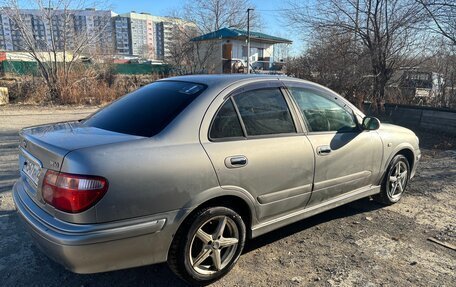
(359, 244)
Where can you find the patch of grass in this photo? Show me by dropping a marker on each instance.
(84, 87)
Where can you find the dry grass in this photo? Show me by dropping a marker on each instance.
(85, 87)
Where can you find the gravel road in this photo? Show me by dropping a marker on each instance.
(359, 244)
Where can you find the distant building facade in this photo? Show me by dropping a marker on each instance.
(89, 23)
(130, 34)
(152, 36)
(121, 26)
(97, 24)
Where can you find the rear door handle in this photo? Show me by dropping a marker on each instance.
(323, 150)
(235, 161)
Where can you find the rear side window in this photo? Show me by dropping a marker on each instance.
(226, 123)
(148, 110)
(264, 112)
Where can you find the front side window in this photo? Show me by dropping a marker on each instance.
(264, 112)
(321, 113)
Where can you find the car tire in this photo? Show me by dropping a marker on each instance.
(395, 181)
(207, 246)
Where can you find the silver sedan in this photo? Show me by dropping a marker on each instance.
(186, 169)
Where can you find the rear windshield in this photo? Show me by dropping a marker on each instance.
(146, 111)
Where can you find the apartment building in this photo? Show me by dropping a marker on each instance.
(171, 29)
(57, 28)
(121, 26)
(151, 36)
(141, 34)
(159, 41)
(97, 26)
(130, 34)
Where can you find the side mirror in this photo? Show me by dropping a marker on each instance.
(371, 123)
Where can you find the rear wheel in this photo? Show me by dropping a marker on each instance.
(208, 245)
(395, 181)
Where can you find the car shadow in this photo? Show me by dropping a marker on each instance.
(356, 207)
(341, 139)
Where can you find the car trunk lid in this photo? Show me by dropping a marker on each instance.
(45, 147)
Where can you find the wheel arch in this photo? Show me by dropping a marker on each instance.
(407, 152)
(409, 155)
(238, 202)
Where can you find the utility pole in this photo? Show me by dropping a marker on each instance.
(356, 20)
(356, 33)
(248, 39)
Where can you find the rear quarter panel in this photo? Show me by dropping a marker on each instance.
(145, 177)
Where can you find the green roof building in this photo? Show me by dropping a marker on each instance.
(226, 51)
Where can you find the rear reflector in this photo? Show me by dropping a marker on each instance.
(72, 193)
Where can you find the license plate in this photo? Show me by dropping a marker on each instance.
(31, 170)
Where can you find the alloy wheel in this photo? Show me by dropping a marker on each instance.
(398, 180)
(214, 245)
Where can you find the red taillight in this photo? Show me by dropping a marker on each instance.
(72, 193)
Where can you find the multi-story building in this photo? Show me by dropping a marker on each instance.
(5, 33)
(152, 36)
(57, 29)
(159, 41)
(95, 25)
(168, 32)
(132, 34)
(121, 26)
(139, 41)
(140, 33)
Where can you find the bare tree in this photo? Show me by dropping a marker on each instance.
(147, 52)
(444, 64)
(387, 29)
(333, 60)
(185, 55)
(443, 15)
(181, 49)
(212, 15)
(60, 45)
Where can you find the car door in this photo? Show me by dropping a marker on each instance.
(257, 146)
(346, 157)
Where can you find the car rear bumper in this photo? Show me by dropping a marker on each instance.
(91, 248)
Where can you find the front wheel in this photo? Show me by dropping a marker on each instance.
(208, 245)
(395, 181)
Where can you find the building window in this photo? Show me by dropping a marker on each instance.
(244, 51)
(260, 54)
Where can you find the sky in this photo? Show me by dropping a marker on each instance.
(266, 8)
(269, 11)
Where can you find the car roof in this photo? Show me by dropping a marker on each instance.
(216, 83)
(222, 80)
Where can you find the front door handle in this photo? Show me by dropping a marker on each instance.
(235, 161)
(323, 150)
